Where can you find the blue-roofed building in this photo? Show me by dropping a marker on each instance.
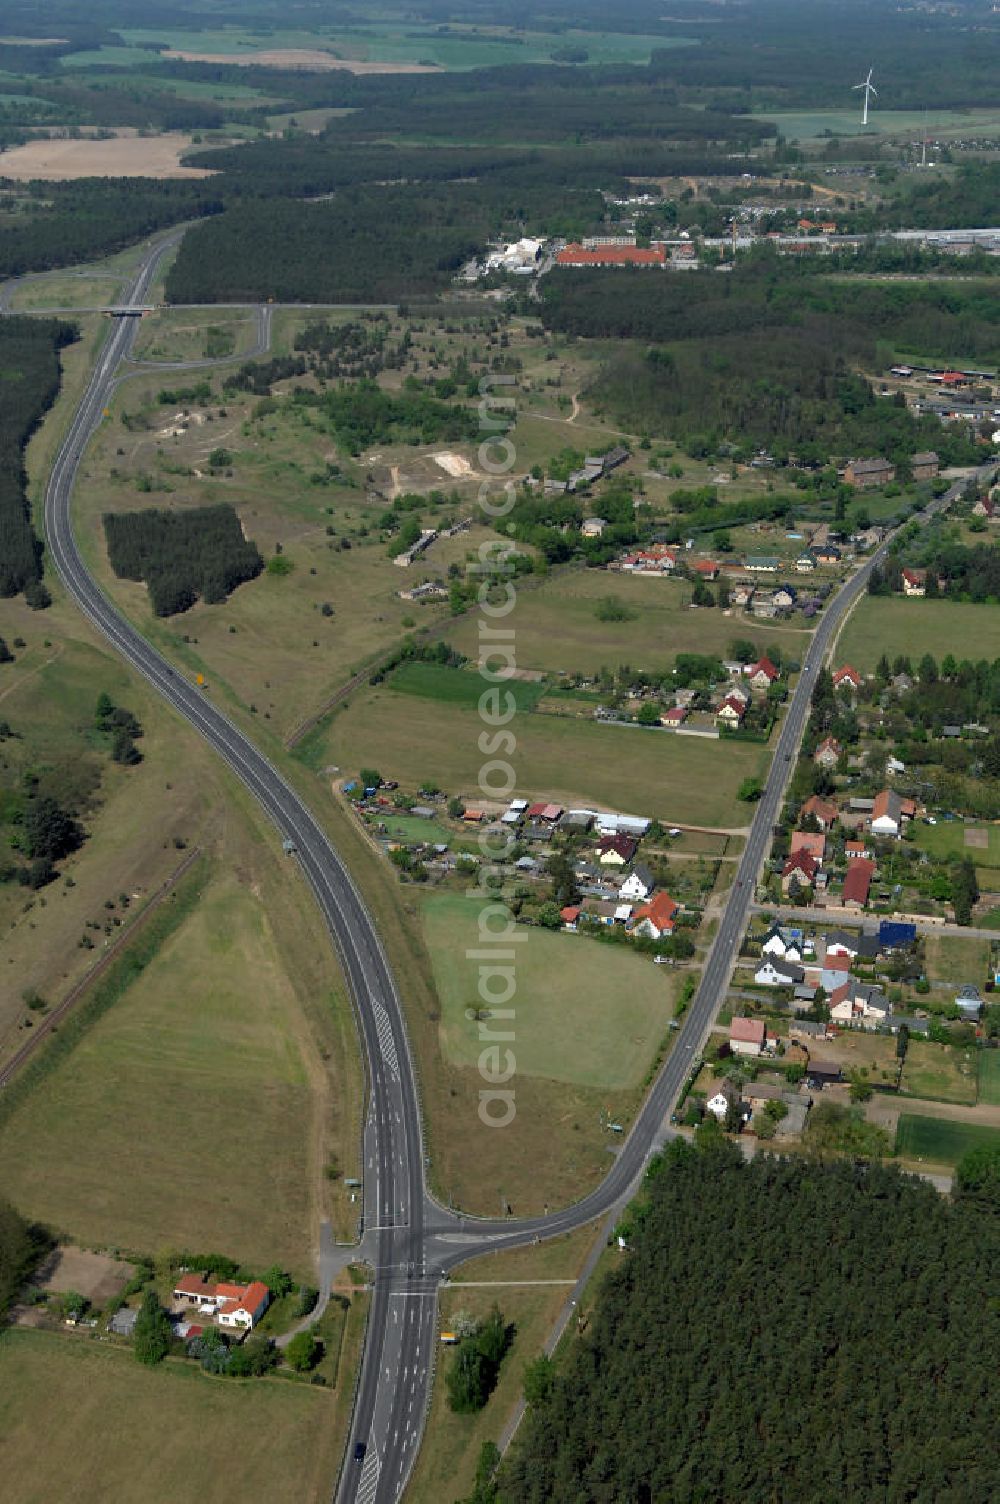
(893, 935)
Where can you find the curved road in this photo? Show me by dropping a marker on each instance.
(410, 1240)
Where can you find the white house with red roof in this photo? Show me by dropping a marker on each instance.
(828, 753)
(800, 869)
(914, 582)
(762, 674)
(237, 1306)
(674, 717)
(846, 677)
(731, 712)
(655, 918)
(747, 1036)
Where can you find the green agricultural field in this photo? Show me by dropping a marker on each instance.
(894, 626)
(586, 1013)
(939, 1140)
(940, 1073)
(682, 780)
(455, 686)
(170, 1433)
(989, 1077)
(557, 628)
(807, 125)
(196, 1108)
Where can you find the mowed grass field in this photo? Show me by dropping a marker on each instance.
(195, 333)
(940, 1073)
(585, 1013)
(947, 839)
(683, 780)
(135, 1434)
(894, 626)
(194, 1111)
(557, 626)
(954, 959)
(939, 1141)
(989, 1077)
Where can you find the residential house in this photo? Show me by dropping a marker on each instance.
(570, 916)
(762, 563)
(674, 717)
(806, 1028)
(765, 605)
(736, 691)
(822, 1073)
(806, 562)
(925, 465)
(864, 475)
(593, 527)
(600, 911)
(902, 684)
(857, 883)
(828, 753)
(850, 944)
(798, 872)
(895, 936)
(854, 849)
(762, 674)
(968, 1002)
(757, 1094)
(774, 973)
(823, 811)
(889, 811)
(985, 507)
(827, 553)
(706, 568)
(811, 841)
(785, 597)
(860, 1003)
(723, 1097)
(731, 713)
(747, 1036)
(655, 918)
(616, 850)
(237, 1306)
(914, 582)
(782, 944)
(741, 595)
(639, 883)
(550, 813)
(846, 677)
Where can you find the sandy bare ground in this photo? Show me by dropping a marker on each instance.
(299, 59)
(120, 157)
(97, 1276)
(455, 465)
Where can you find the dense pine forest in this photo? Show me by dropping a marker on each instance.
(765, 354)
(182, 555)
(778, 1331)
(29, 366)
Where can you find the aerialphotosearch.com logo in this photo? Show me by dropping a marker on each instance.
(496, 952)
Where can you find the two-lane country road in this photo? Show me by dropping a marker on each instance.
(410, 1240)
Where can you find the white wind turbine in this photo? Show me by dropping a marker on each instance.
(870, 91)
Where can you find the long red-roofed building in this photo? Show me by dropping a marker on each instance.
(612, 255)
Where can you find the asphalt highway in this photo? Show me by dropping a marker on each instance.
(410, 1240)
